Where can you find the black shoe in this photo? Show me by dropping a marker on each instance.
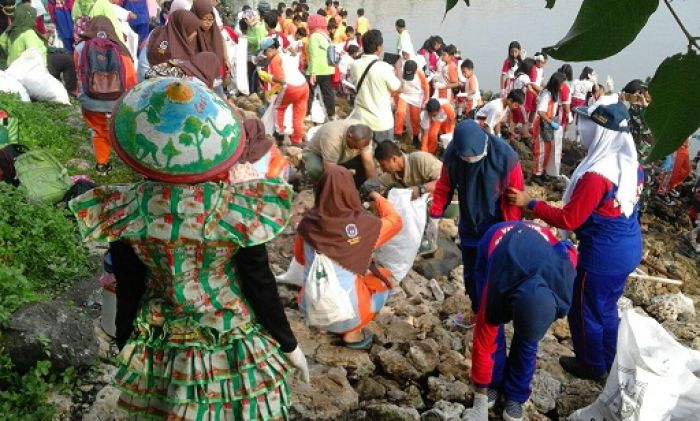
(416, 142)
(103, 169)
(540, 180)
(577, 369)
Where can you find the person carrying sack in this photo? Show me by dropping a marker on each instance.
(339, 228)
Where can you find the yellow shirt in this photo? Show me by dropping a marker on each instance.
(362, 25)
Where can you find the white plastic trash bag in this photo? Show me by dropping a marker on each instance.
(399, 253)
(318, 109)
(13, 86)
(241, 67)
(653, 377)
(30, 69)
(294, 274)
(270, 115)
(325, 300)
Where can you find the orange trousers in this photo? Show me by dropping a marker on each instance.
(298, 98)
(403, 107)
(99, 123)
(429, 143)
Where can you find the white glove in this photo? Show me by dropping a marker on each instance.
(298, 360)
(431, 232)
(480, 410)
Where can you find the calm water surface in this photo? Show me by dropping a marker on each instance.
(483, 31)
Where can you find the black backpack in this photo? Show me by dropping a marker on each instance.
(7, 162)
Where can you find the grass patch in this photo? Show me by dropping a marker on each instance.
(60, 129)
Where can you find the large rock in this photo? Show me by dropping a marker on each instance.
(560, 329)
(452, 363)
(327, 397)
(105, 406)
(447, 388)
(545, 391)
(454, 304)
(444, 411)
(356, 362)
(53, 330)
(576, 395)
(446, 258)
(671, 306)
(397, 366)
(390, 412)
(416, 285)
(369, 389)
(424, 355)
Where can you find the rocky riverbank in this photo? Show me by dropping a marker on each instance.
(418, 367)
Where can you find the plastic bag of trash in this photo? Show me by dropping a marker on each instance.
(653, 377)
(399, 253)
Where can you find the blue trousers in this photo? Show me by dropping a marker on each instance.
(68, 43)
(469, 262)
(513, 374)
(593, 318)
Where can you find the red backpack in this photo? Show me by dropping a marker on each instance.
(102, 74)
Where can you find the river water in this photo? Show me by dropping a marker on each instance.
(483, 31)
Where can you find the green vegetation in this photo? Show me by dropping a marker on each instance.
(60, 129)
(40, 244)
(23, 396)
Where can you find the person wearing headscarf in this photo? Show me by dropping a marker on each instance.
(202, 67)
(209, 36)
(21, 36)
(480, 167)
(176, 40)
(209, 337)
(96, 111)
(89, 9)
(283, 75)
(318, 71)
(601, 206)
(339, 228)
(524, 274)
(261, 158)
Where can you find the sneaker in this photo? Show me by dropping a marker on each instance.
(464, 321)
(540, 180)
(577, 369)
(666, 200)
(493, 397)
(103, 169)
(416, 142)
(674, 193)
(513, 411)
(691, 237)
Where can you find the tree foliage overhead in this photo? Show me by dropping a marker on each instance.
(603, 28)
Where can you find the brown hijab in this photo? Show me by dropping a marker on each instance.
(338, 226)
(170, 41)
(203, 66)
(257, 144)
(101, 26)
(210, 40)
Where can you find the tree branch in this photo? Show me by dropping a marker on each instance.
(692, 41)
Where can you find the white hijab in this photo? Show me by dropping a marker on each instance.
(611, 154)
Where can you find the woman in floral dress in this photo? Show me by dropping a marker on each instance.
(209, 341)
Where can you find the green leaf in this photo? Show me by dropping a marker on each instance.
(672, 114)
(603, 28)
(449, 4)
(550, 4)
(186, 139)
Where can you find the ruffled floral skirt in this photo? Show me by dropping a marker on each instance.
(184, 371)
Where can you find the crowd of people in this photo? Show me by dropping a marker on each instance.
(200, 324)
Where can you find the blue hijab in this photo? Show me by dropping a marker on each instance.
(481, 184)
(530, 281)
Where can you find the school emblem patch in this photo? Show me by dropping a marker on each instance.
(352, 234)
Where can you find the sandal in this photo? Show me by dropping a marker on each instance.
(364, 344)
